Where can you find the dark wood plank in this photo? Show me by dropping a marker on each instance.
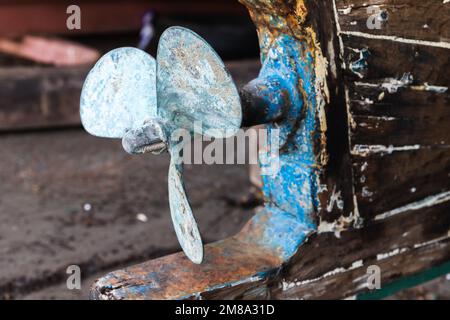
(409, 117)
(350, 281)
(394, 59)
(327, 267)
(336, 195)
(40, 97)
(398, 101)
(424, 20)
(386, 181)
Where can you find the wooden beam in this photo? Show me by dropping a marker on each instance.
(42, 97)
(327, 266)
(424, 20)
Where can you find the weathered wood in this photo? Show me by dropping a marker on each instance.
(410, 117)
(398, 102)
(393, 59)
(424, 20)
(350, 281)
(330, 267)
(40, 97)
(226, 262)
(396, 81)
(390, 181)
(336, 197)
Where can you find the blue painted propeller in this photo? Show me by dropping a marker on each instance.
(130, 95)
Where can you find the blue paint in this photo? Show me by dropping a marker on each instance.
(291, 195)
(359, 67)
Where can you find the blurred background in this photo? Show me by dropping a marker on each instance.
(71, 198)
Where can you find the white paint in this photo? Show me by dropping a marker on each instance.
(444, 45)
(364, 150)
(341, 224)
(290, 285)
(424, 203)
(351, 122)
(364, 166)
(368, 101)
(382, 118)
(431, 242)
(390, 84)
(382, 256)
(335, 198)
(347, 10)
(431, 88)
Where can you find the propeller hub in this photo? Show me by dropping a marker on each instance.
(148, 138)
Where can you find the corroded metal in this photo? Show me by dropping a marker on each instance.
(194, 86)
(181, 213)
(130, 96)
(119, 93)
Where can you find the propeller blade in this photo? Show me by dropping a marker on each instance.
(183, 220)
(119, 93)
(194, 86)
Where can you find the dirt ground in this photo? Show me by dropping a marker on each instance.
(70, 198)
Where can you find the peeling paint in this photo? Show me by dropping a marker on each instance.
(424, 203)
(391, 85)
(359, 66)
(289, 285)
(430, 88)
(341, 224)
(442, 44)
(383, 256)
(365, 150)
